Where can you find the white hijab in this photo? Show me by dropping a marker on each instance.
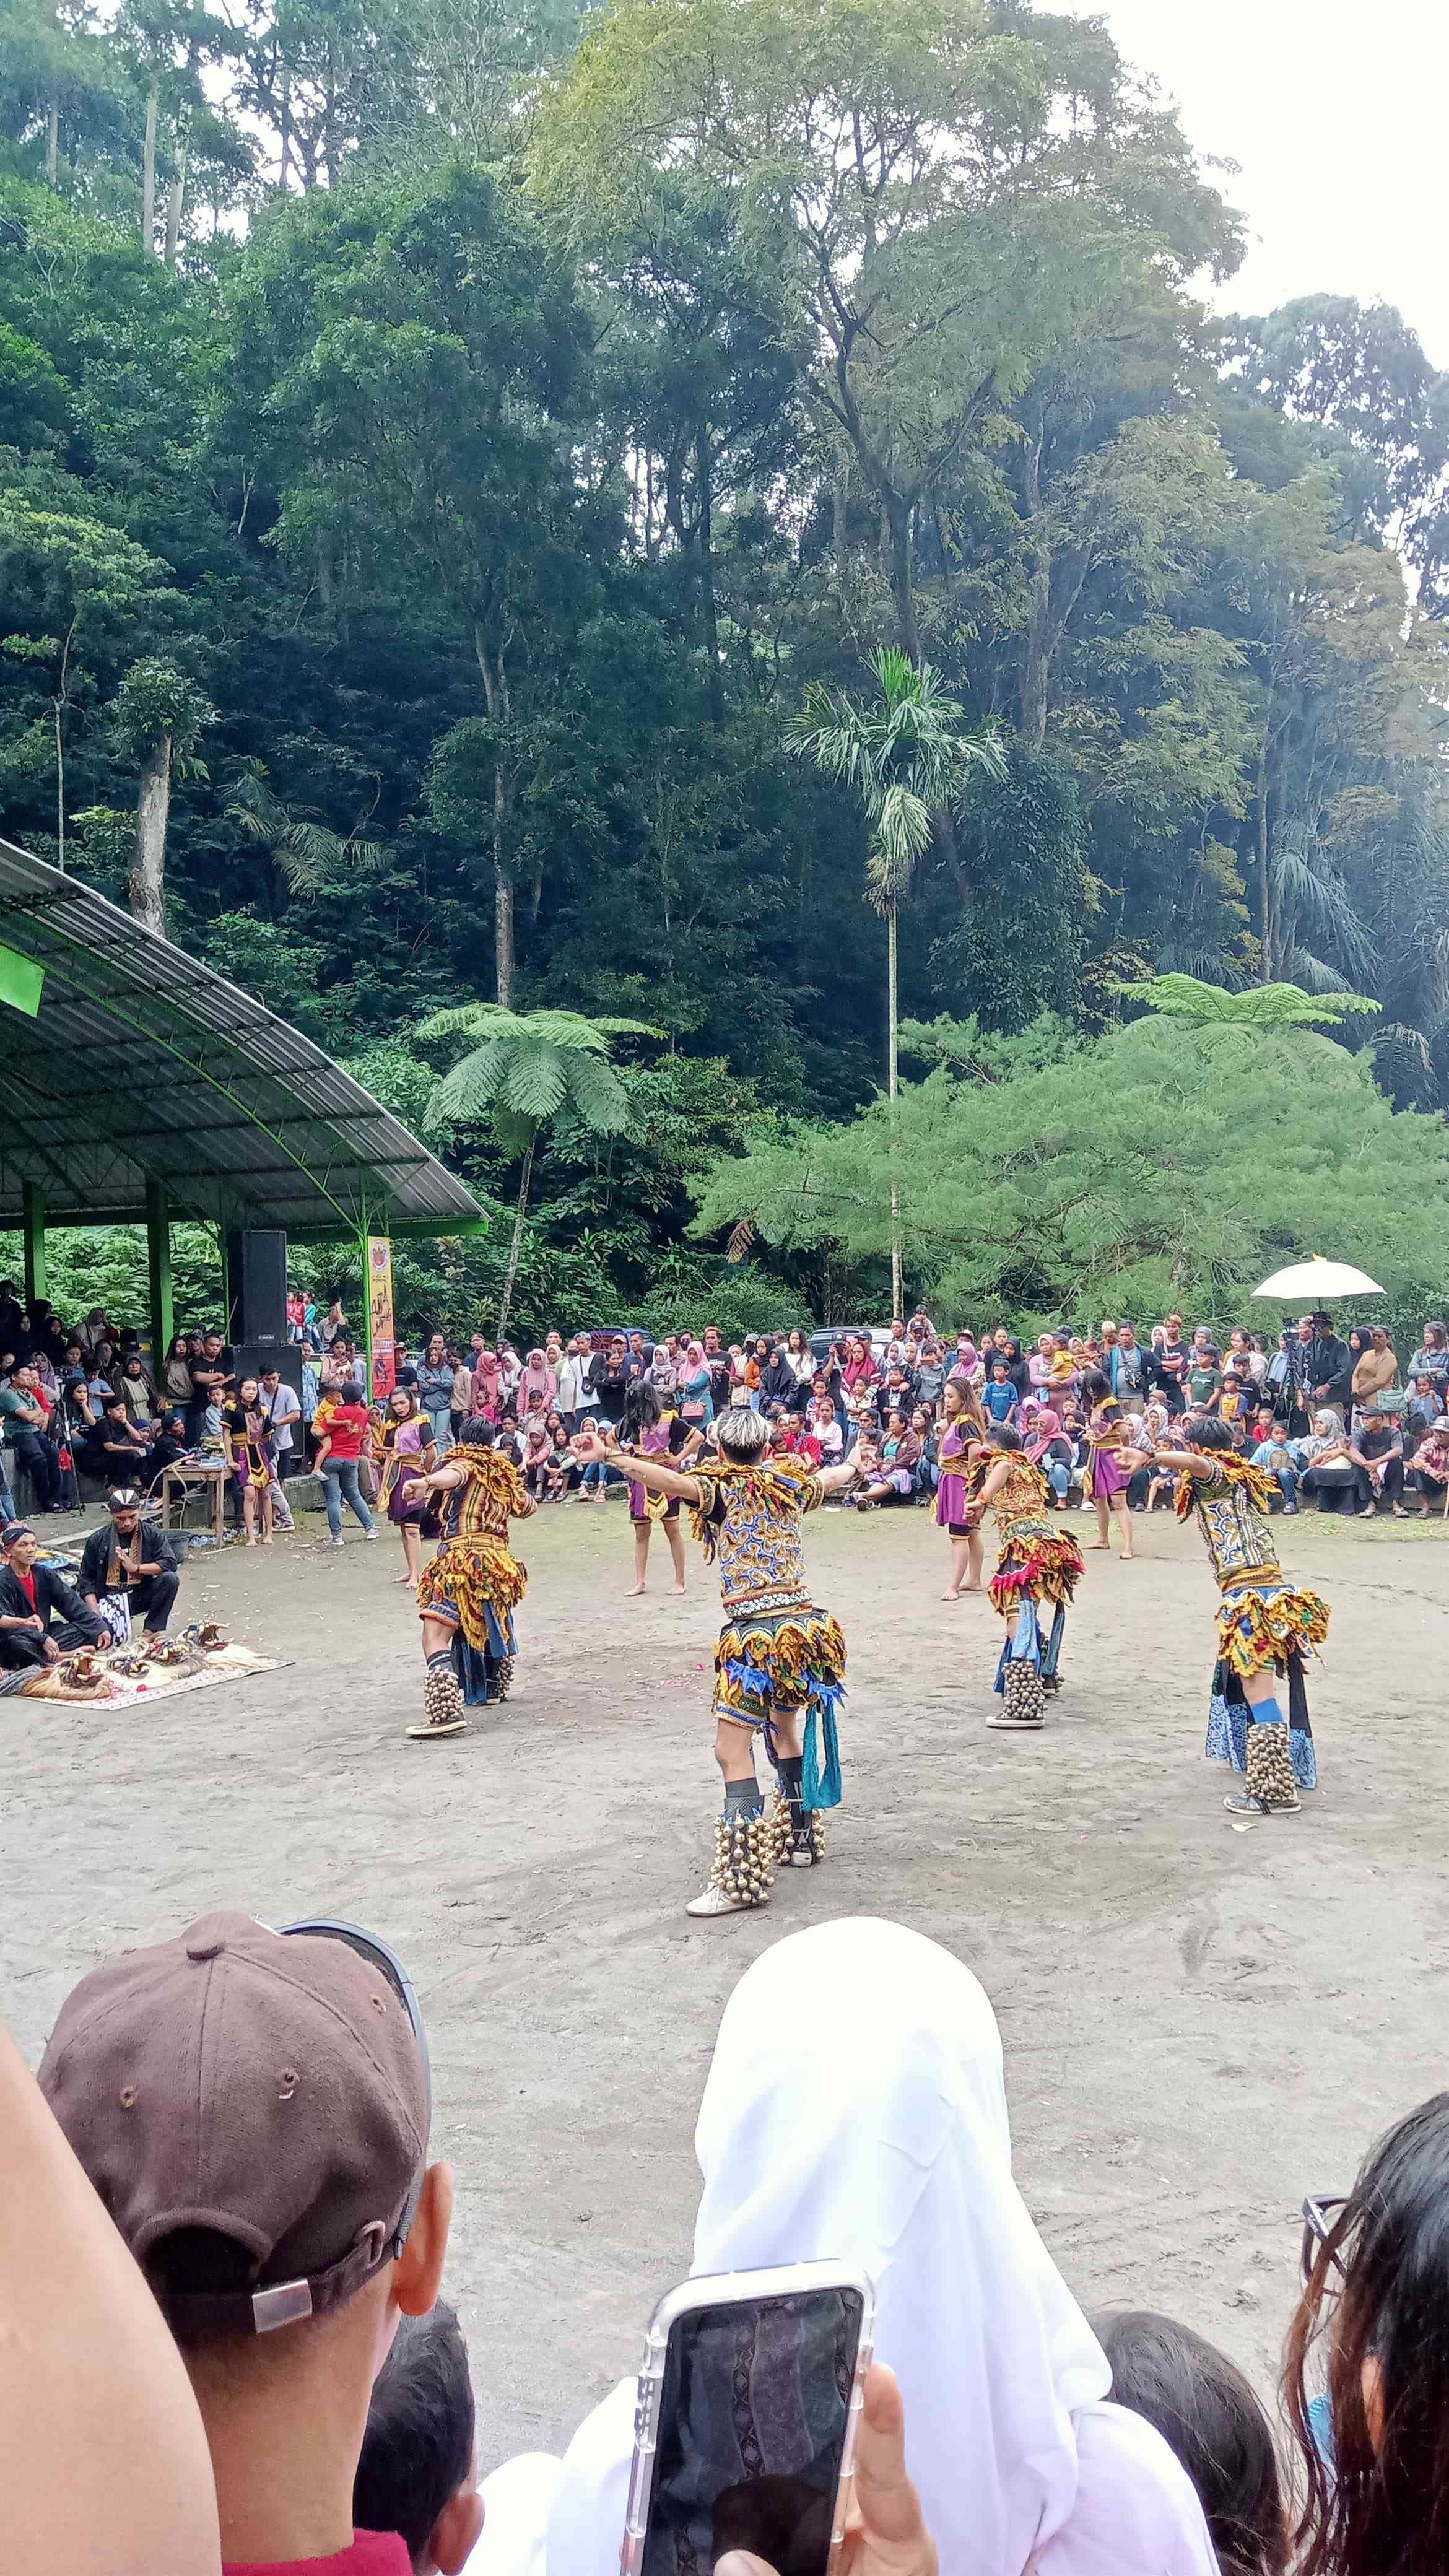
(856, 2107)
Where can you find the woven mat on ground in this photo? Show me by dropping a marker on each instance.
(120, 1690)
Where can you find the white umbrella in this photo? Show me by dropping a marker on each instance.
(1312, 1282)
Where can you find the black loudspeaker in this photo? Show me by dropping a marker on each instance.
(261, 1308)
(253, 1357)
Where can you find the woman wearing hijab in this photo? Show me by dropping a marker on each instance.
(873, 2127)
(538, 1386)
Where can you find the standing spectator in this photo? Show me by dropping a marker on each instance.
(1205, 1377)
(1324, 1364)
(211, 1374)
(1039, 1365)
(175, 1389)
(930, 1373)
(696, 1389)
(608, 1382)
(999, 1400)
(1128, 1370)
(800, 1356)
(1173, 1362)
(717, 1361)
(136, 1392)
(1431, 1359)
(333, 1323)
(460, 1400)
(570, 1374)
(860, 1367)
(26, 1438)
(435, 1390)
(539, 1386)
(246, 1446)
(342, 1425)
(1376, 1369)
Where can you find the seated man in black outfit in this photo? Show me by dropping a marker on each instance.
(30, 1597)
(114, 1449)
(134, 1556)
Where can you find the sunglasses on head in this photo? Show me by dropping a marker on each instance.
(1322, 2215)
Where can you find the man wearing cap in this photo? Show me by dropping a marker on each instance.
(130, 1559)
(31, 1596)
(253, 2109)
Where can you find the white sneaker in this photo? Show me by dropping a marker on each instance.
(337, 1542)
(715, 1901)
(371, 1537)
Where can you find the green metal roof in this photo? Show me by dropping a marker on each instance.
(141, 1064)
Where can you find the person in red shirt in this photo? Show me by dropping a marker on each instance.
(341, 1424)
(253, 2108)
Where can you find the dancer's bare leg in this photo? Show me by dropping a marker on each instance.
(642, 1530)
(1104, 1526)
(961, 1553)
(1122, 1514)
(676, 1551)
(412, 1554)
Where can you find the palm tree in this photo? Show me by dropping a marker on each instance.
(908, 761)
(524, 1070)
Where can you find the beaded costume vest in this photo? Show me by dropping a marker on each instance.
(750, 1518)
(1024, 1499)
(1231, 1507)
(494, 1491)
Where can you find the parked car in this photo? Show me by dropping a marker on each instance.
(878, 1336)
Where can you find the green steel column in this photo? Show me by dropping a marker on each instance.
(37, 1278)
(158, 1264)
(367, 1304)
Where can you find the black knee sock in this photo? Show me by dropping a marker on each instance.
(442, 1661)
(742, 1798)
(791, 1767)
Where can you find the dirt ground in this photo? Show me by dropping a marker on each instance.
(1201, 2022)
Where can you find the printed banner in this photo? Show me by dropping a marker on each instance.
(379, 1308)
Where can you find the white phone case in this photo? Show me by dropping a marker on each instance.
(738, 2289)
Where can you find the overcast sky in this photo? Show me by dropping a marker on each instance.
(1335, 111)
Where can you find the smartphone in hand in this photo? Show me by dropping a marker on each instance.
(749, 2398)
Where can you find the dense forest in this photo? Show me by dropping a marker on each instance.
(443, 443)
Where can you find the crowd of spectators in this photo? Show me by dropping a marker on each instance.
(1338, 1422)
(275, 2380)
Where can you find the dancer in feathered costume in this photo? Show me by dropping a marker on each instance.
(1039, 1567)
(469, 1592)
(780, 1662)
(1266, 1625)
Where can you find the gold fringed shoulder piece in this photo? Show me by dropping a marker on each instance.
(1235, 1471)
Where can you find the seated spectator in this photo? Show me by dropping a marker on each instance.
(285, 2293)
(115, 1451)
(129, 1566)
(1329, 1473)
(1276, 1459)
(26, 1420)
(537, 1455)
(927, 1470)
(136, 1391)
(41, 1617)
(824, 1425)
(1377, 1451)
(418, 2474)
(562, 1473)
(898, 1392)
(1210, 2419)
(894, 1480)
(880, 2118)
(1048, 1450)
(1429, 1472)
(166, 1450)
(1370, 2325)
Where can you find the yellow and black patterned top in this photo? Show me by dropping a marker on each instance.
(493, 1494)
(750, 1517)
(1232, 1511)
(1022, 1507)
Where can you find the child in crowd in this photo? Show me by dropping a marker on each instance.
(999, 1397)
(1206, 2412)
(418, 2475)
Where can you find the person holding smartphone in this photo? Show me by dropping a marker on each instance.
(780, 1661)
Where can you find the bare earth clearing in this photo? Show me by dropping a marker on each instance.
(1201, 2023)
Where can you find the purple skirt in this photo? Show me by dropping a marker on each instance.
(950, 1499)
(1108, 1478)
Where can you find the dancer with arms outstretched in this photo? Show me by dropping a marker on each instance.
(780, 1661)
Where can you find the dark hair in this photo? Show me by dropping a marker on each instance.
(1205, 1431)
(642, 1408)
(418, 2448)
(476, 1432)
(1207, 2413)
(1096, 1386)
(1384, 2504)
(1003, 1435)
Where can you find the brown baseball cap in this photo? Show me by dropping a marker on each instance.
(265, 2089)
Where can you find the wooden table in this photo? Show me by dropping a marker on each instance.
(184, 1478)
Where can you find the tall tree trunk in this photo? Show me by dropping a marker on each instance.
(500, 707)
(284, 94)
(898, 535)
(840, 520)
(176, 199)
(52, 144)
(516, 1245)
(892, 1087)
(1039, 640)
(704, 469)
(148, 176)
(153, 809)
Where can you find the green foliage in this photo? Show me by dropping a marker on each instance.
(1165, 1164)
(1262, 1006)
(106, 1266)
